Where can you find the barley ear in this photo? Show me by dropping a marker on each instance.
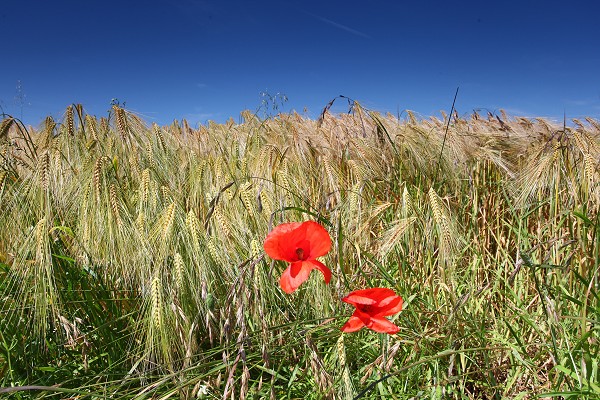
(45, 170)
(114, 204)
(590, 168)
(347, 388)
(178, 270)
(70, 120)
(3, 175)
(442, 221)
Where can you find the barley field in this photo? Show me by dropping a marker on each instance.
(132, 262)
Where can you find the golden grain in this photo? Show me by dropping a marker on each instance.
(255, 248)
(145, 186)
(407, 203)
(589, 165)
(41, 233)
(90, 123)
(167, 221)
(159, 135)
(393, 234)
(140, 221)
(121, 121)
(45, 170)
(178, 270)
(246, 195)
(193, 225)
(266, 203)
(348, 389)
(282, 176)
(3, 176)
(70, 121)
(442, 222)
(97, 177)
(114, 204)
(151, 162)
(225, 228)
(5, 126)
(212, 250)
(156, 303)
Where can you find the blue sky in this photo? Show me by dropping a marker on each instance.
(209, 60)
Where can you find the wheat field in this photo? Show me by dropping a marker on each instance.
(131, 260)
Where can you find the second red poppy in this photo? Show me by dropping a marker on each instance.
(372, 305)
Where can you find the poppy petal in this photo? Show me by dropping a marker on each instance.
(392, 306)
(320, 241)
(295, 268)
(355, 298)
(382, 325)
(278, 244)
(386, 301)
(323, 268)
(378, 294)
(294, 275)
(353, 324)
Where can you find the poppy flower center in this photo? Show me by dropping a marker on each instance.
(364, 308)
(300, 253)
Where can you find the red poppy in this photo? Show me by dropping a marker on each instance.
(299, 243)
(371, 306)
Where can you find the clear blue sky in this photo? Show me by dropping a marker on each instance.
(204, 60)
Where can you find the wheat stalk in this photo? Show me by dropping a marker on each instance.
(104, 127)
(90, 123)
(46, 297)
(121, 121)
(166, 193)
(140, 222)
(282, 176)
(224, 225)
(348, 388)
(244, 166)
(70, 120)
(150, 156)
(45, 170)
(178, 270)
(114, 204)
(407, 203)
(97, 177)
(145, 186)
(40, 240)
(3, 176)
(589, 165)
(394, 233)
(317, 367)
(57, 161)
(246, 196)
(266, 204)
(212, 250)
(134, 164)
(46, 136)
(358, 170)
(167, 221)
(354, 198)
(159, 135)
(156, 308)
(255, 250)
(5, 126)
(193, 225)
(442, 221)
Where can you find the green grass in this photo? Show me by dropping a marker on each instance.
(131, 261)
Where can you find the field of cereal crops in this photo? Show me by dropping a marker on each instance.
(132, 262)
